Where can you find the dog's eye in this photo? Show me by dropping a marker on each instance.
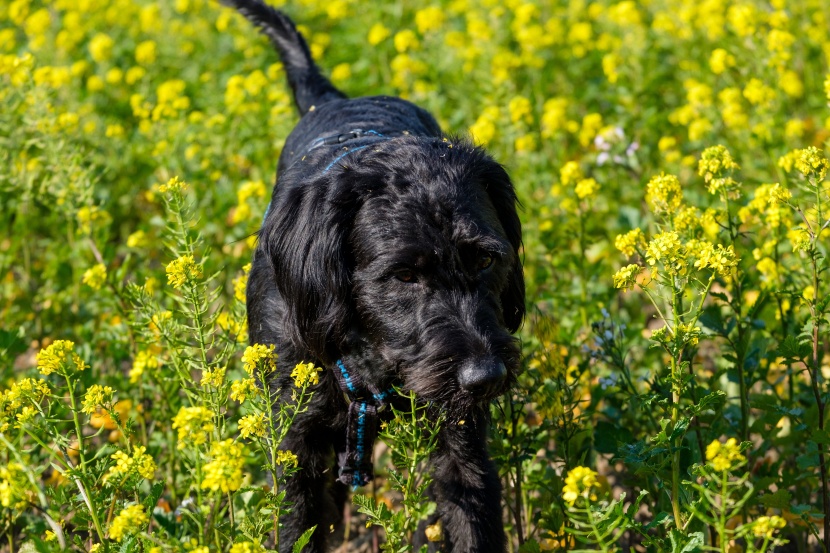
(405, 275)
(485, 259)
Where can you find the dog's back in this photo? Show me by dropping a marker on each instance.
(327, 114)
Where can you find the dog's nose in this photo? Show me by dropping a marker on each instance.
(482, 376)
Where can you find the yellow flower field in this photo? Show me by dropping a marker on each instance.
(671, 159)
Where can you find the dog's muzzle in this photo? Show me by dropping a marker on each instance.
(482, 376)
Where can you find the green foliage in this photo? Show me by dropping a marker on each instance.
(413, 435)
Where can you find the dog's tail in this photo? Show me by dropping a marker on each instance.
(310, 87)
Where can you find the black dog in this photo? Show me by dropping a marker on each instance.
(390, 256)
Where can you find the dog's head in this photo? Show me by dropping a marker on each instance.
(409, 253)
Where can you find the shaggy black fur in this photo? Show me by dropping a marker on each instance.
(396, 251)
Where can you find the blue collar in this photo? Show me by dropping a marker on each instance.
(334, 140)
(365, 402)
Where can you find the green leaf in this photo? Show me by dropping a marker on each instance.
(661, 518)
(710, 401)
(778, 500)
(155, 493)
(303, 540)
(530, 546)
(681, 543)
(680, 428)
(608, 437)
(791, 348)
(808, 461)
(127, 545)
(821, 437)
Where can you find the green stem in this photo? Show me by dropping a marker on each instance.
(740, 347)
(724, 542)
(78, 430)
(676, 390)
(600, 541)
(583, 289)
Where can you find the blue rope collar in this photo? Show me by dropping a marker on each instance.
(334, 140)
(365, 402)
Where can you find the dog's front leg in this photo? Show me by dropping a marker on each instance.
(312, 438)
(306, 493)
(467, 488)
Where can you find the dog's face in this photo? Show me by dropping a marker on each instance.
(410, 254)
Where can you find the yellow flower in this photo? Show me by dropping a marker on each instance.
(580, 482)
(240, 283)
(429, 19)
(688, 218)
(626, 277)
(247, 547)
(145, 52)
(100, 47)
(259, 355)
(95, 83)
(794, 129)
(377, 34)
(88, 215)
(27, 389)
(114, 76)
(143, 361)
(667, 249)
(591, 124)
(769, 271)
(765, 526)
(286, 458)
(193, 425)
(96, 396)
(252, 425)
(405, 40)
(95, 276)
(779, 194)
(629, 242)
(525, 143)
(800, 239)
(724, 456)
(720, 61)
(664, 194)
(434, 532)
(305, 374)
(172, 185)
(213, 377)
(138, 239)
(757, 93)
(129, 521)
(224, 471)
(812, 163)
(520, 110)
(58, 357)
(809, 293)
(341, 72)
(586, 188)
(242, 389)
(717, 258)
(14, 486)
(141, 464)
(182, 270)
(570, 173)
(484, 129)
(554, 116)
(610, 64)
(715, 165)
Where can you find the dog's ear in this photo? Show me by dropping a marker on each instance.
(305, 237)
(503, 196)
